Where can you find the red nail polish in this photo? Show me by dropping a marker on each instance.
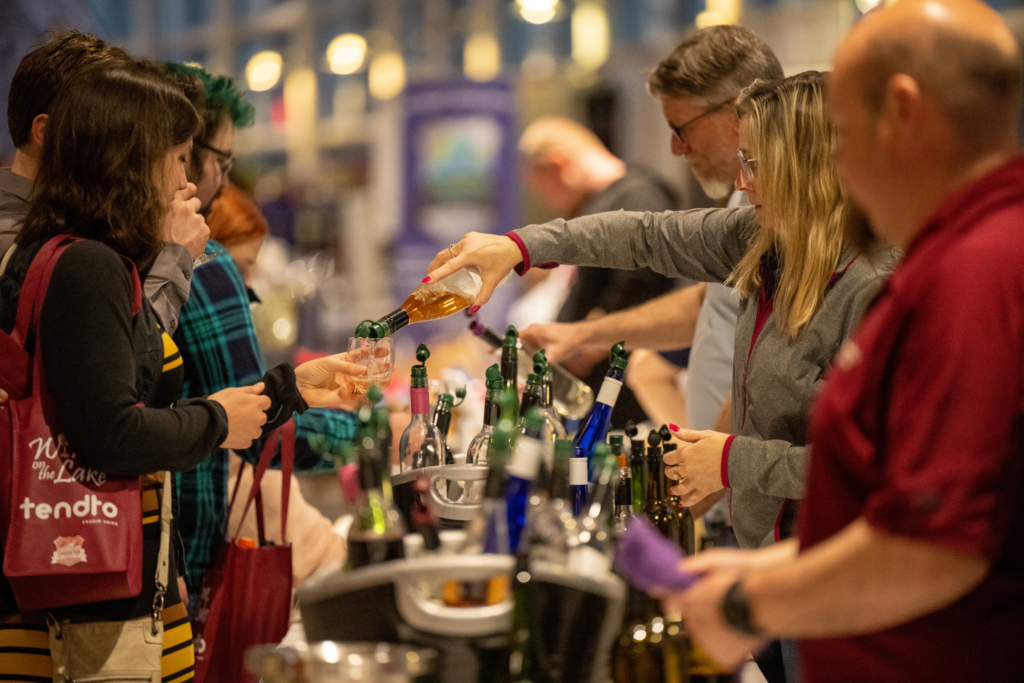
(473, 310)
(426, 279)
(673, 427)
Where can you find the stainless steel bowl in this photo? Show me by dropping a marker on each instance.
(331, 662)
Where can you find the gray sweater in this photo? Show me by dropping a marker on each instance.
(768, 459)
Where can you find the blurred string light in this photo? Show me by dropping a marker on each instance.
(346, 53)
(590, 35)
(387, 75)
(263, 70)
(538, 11)
(481, 57)
(719, 12)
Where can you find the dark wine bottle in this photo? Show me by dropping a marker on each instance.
(656, 508)
(377, 533)
(510, 362)
(443, 422)
(637, 468)
(687, 533)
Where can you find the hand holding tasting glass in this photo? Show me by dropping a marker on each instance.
(337, 380)
(376, 357)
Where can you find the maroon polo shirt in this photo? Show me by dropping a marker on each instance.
(920, 430)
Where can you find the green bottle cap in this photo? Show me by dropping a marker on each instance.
(374, 394)
(533, 379)
(460, 394)
(445, 402)
(617, 356)
(493, 378)
(363, 329)
(511, 337)
(615, 444)
(419, 372)
(534, 420)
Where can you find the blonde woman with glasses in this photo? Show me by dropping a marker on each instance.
(802, 291)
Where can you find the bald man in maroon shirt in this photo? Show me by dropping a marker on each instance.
(910, 559)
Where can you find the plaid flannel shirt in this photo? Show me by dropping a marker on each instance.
(218, 342)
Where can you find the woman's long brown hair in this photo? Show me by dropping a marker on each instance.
(108, 133)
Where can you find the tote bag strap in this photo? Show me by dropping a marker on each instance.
(287, 433)
(37, 280)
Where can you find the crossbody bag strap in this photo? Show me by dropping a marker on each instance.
(163, 560)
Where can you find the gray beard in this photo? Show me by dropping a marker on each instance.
(713, 188)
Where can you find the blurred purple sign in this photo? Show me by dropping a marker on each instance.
(459, 176)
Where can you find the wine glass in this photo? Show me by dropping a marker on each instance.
(377, 356)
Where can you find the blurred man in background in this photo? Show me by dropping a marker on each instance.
(574, 174)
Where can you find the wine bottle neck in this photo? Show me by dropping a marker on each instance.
(492, 410)
(653, 477)
(393, 321)
(610, 388)
(420, 399)
(510, 366)
(443, 422)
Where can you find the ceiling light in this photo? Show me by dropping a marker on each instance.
(346, 53)
(263, 71)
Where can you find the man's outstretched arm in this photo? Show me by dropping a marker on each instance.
(662, 324)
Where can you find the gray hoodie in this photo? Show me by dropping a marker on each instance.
(773, 390)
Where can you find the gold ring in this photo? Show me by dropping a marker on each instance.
(451, 251)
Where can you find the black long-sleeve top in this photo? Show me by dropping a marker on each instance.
(113, 379)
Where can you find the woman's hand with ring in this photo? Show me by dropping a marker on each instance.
(697, 465)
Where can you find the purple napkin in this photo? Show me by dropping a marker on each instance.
(650, 561)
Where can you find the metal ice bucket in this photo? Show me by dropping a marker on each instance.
(447, 499)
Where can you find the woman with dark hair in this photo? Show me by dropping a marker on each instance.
(114, 155)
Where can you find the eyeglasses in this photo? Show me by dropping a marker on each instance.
(747, 166)
(226, 160)
(680, 131)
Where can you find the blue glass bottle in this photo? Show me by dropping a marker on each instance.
(594, 427)
(522, 472)
(579, 482)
